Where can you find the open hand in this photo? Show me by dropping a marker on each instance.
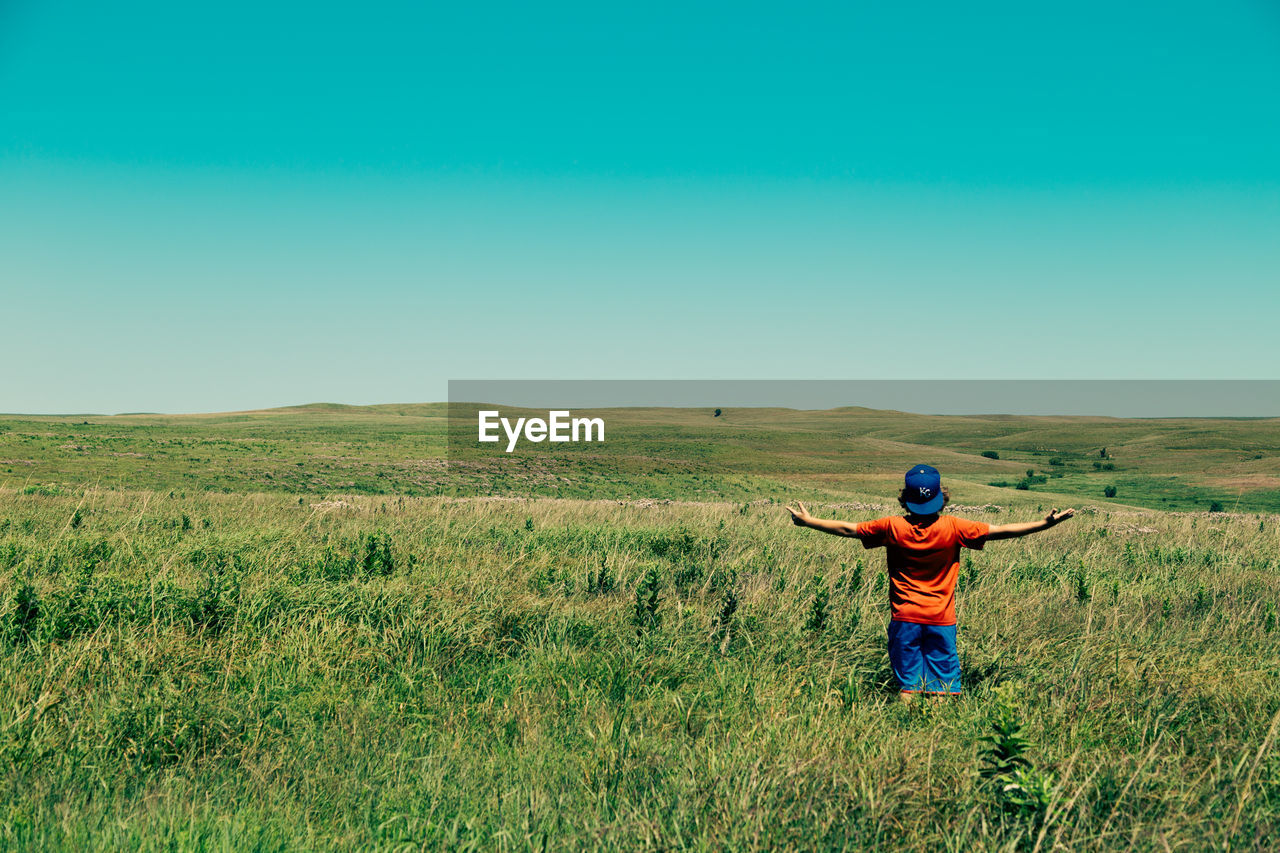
(799, 515)
(1055, 516)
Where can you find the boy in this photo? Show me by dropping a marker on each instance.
(923, 551)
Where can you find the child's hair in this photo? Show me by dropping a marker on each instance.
(902, 498)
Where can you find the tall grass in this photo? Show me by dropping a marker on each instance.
(544, 674)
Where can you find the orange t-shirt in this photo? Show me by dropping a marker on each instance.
(923, 563)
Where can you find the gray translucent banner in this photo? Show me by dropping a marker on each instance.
(1170, 444)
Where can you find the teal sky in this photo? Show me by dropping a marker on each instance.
(242, 205)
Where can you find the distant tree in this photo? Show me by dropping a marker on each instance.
(1109, 492)
(991, 454)
(1215, 506)
(1103, 453)
(717, 413)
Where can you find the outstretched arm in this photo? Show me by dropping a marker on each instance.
(1013, 531)
(801, 518)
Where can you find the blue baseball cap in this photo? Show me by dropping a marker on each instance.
(924, 490)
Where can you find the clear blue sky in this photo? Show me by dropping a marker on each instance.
(241, 204)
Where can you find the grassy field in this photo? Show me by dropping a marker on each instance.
(300, 629)
(684, 454)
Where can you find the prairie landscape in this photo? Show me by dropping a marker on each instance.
(306, 629)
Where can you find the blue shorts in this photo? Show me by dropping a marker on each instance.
(924, 658)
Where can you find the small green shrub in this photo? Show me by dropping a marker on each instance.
(646, 616)
(687, 574)
(1032, 479)
(722, 622)
(25, 612)
(818, 606)
(600, 581)
(1021, 791)
(1082, 585)
(378, 559)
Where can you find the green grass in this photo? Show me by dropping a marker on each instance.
(448, 673)
(291, 665)
(679, 454)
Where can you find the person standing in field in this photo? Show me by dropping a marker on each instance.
(923, 553)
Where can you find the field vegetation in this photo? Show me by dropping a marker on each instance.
(199, 656)
(680, 454)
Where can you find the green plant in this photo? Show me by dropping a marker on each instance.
(687, 573)
(25, 605)
(722, 622)
(1020, 790)
(646, 616)
(1109, 491)
(991, 454)
(1031, 480)
(600, 581)
(1082, 585)
(378, 559)
(1202, 601)
(818, 606)
(853, 581)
